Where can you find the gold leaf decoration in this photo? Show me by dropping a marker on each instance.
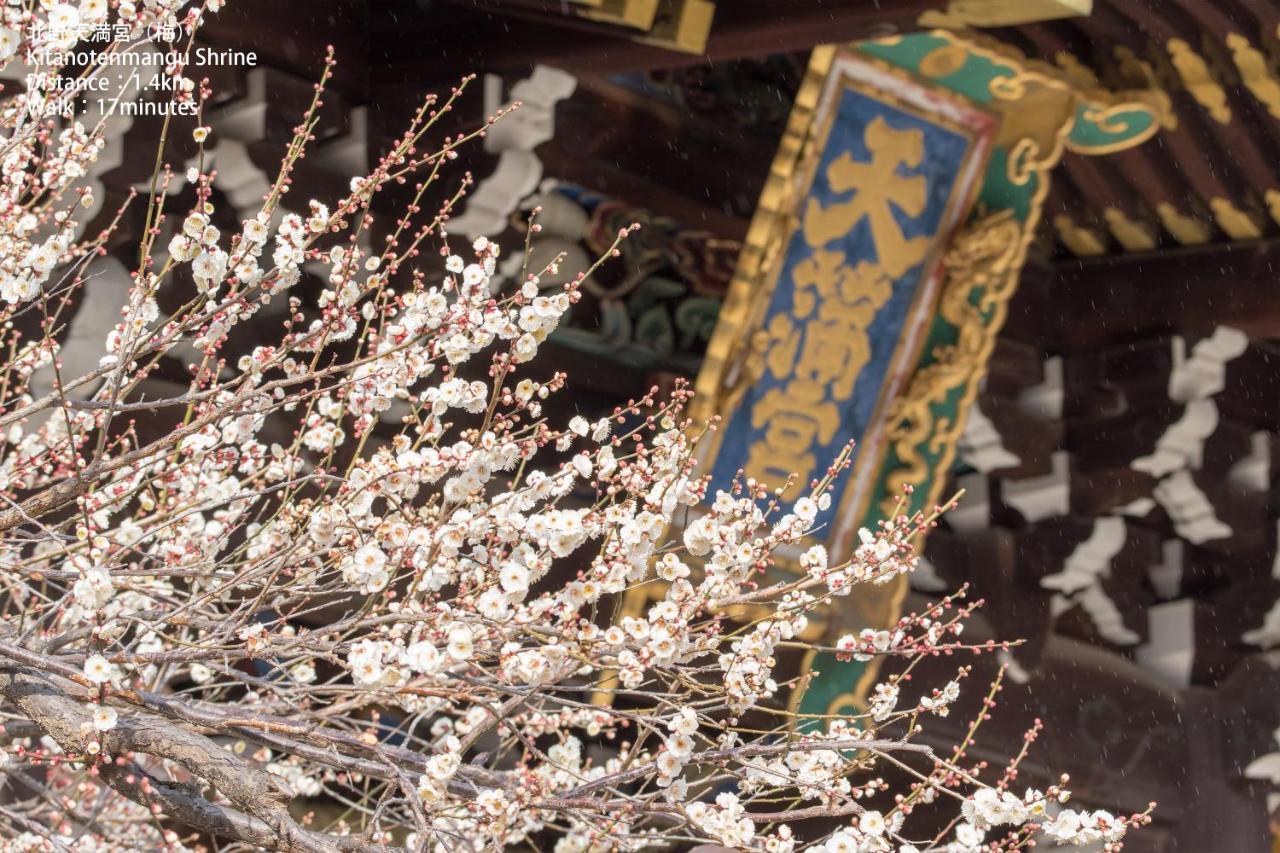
(1139, 74)
(1082, 242)
(638, 14)
(982, 267)
(1080, 75)
(1187, 230)
(1002, 13)
(1231, 219)
(1255, 72)
(944, 60)
(1133, 236)
(1199, 81)
(1272, 197)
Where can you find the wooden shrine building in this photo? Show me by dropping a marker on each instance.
(1116, 427)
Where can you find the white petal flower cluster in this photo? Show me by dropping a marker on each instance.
(33, 245)
(355, 548)
(1084, 827)
(724, 820)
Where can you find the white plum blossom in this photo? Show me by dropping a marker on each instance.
(97, 669)
(317, 524)
(104, 718)
(725, 820)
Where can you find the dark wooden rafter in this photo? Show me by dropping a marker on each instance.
(1151, 174)
(1257, 124)
(1101, 182)
(1234, 136)
(622, 184)
(1065, 197)
(548, 34)
(1199, 160)
(1182, 148)
(1111, 319)
(1265, 14)
(1187, 142)
(1130, 297)
(293, 38)
(641, 153)
(1114, 380)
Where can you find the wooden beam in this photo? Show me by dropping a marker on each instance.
(561, 163)
(1087, 303)
(490, 35)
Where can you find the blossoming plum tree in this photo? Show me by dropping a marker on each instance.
(208, 631)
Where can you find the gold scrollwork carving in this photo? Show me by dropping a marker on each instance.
(1081, 76)
(1021, 163)
(1118, 119)
(1002, 13)
(982, 268)
(1038, 100)
(1010, 87)
(1139, 75)
(1034, 110)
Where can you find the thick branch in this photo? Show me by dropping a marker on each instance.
(266, 823)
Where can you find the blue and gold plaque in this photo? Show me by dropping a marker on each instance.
(868, 295)
(839, 317)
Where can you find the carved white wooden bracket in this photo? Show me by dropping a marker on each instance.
(1189, 509)
(1171, 648)
(1268, 633)
(513, 139)
(1166, 576)
(925, 578)
(1091, 558)
(1041, 497)
(1204, 373)
(1079, 581)
(981, 444)
(1267, 768)
(1182, 445)
(1194, 380)
(973, 512)
(1253, 472)
(1046, 398)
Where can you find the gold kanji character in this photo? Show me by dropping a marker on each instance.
(795, 419)
(782, 343)
(825, 353)
(878, 189)
(824, 278)
(833, 355)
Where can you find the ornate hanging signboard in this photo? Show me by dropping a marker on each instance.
(875, 277)
(1041, 115)
(841, 309)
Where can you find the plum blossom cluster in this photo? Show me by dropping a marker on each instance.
(43, 166)
(367, 552)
